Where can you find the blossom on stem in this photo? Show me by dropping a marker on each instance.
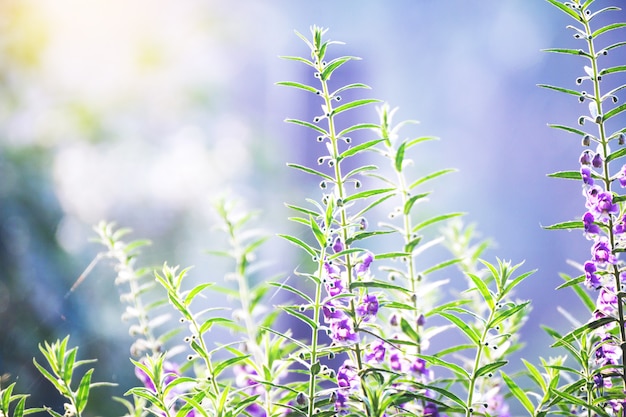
(590, 227)
(363, 267)
(601, 252)
(585, 173)
(348, 381)
(621, 176)
(376, 352)
(342, 331)
(368, 307)
(592, 280)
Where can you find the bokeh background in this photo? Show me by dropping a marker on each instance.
(144, 112)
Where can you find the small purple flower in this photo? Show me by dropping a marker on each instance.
(421, 320)
(601, 252)
(496, 406)
(332, 312)
(341, 403)
(604, 205)
(376, 352)
(430, 410)
(586, 157)
(596, 161)
(364, 266)
(334, 286)
(592, 280)
(368, 307)
(585, 173)
(590, 227)
(607, 301)
(397, 361)
(348, 377)
(337, 245)
(343, 332)
(608, 353)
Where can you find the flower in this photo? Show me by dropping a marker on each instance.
(364, 266)
(348, 381)
(591, 279)
(342, 331)
(338, 245)
(368, 307)
(590, 227)
(430, 410)
(376, 352)
(331, 312)
(601, 252)
(585, 173)
(586, 157)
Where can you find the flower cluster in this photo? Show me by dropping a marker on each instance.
(604, 224)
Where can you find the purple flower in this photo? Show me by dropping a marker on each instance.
(331, 312)
(343, 332)
(496, 406)
(376, 352)
(396, 361)
(341, 401)
(585, 172)
(607, 352)
(364, 266)
(590, 227)
(607, 301)
(591, 279)
(586, 157)
(601, 252)
(337, 245)
(347, 376)
(596, 161)
(604, 205)
(170, 373)
(430, 410)
(368, 307)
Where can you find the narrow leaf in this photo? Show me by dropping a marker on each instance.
(298, 85)
(573, 224)
(303, 317)
(82, 394)
(579, 52)
(195, 291)
(353, 104)
(284, 286)
(611, 70)
(461, 325)
(613, 112)
(307, 124)
(569, 175)
(368, 193)
(567, 10)
(616, 155)
(400, 156)
(607, 28)
(490, 367)
(483, 290)
(310, 171)
(561, 89)
(518, 393)
(333, 65)
(435, 219)
(356, 149)
(568, 129)
(431, 176)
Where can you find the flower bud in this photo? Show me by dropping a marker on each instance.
(586, 157)
(597, 161)
(586, 140)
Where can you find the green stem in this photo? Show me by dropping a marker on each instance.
(606, 177)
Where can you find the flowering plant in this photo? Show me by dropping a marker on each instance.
(352, 329)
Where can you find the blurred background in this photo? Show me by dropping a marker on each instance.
(143, 112)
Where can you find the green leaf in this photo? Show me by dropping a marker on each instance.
(19, 407)
(412, 200)
(567, 10)
(349, 86)
(82, 395)
(611, 70)
(433, 360)
(490, 367)
(225, 364)
(570, 282)
(377, 284)
(298, 85)
(356, 149)
(359, 126)
(440, 265)
(400, 156)
(284, 286)
(436, 219)
(569, 175)
(307, 124)
(574, 334)
(303, 317)
(208, 323)
(334, 64)
(582, 294)
(616, 155)
(573, 224)
(409, 331)
(49, 377)
(561, 89)
(518, 393)
(392, 255)
(442, 391)
(311, 171)
(483, 290)
(195, 291)
(353, 104)
(568, 129)
(68, 365)
(613, 112)
(505, 314)
(578, 52)
(299, 59)
(607, 28)
(368, 193)
(461, 325)
(430, 177)
(615, 45)
(317, 232)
